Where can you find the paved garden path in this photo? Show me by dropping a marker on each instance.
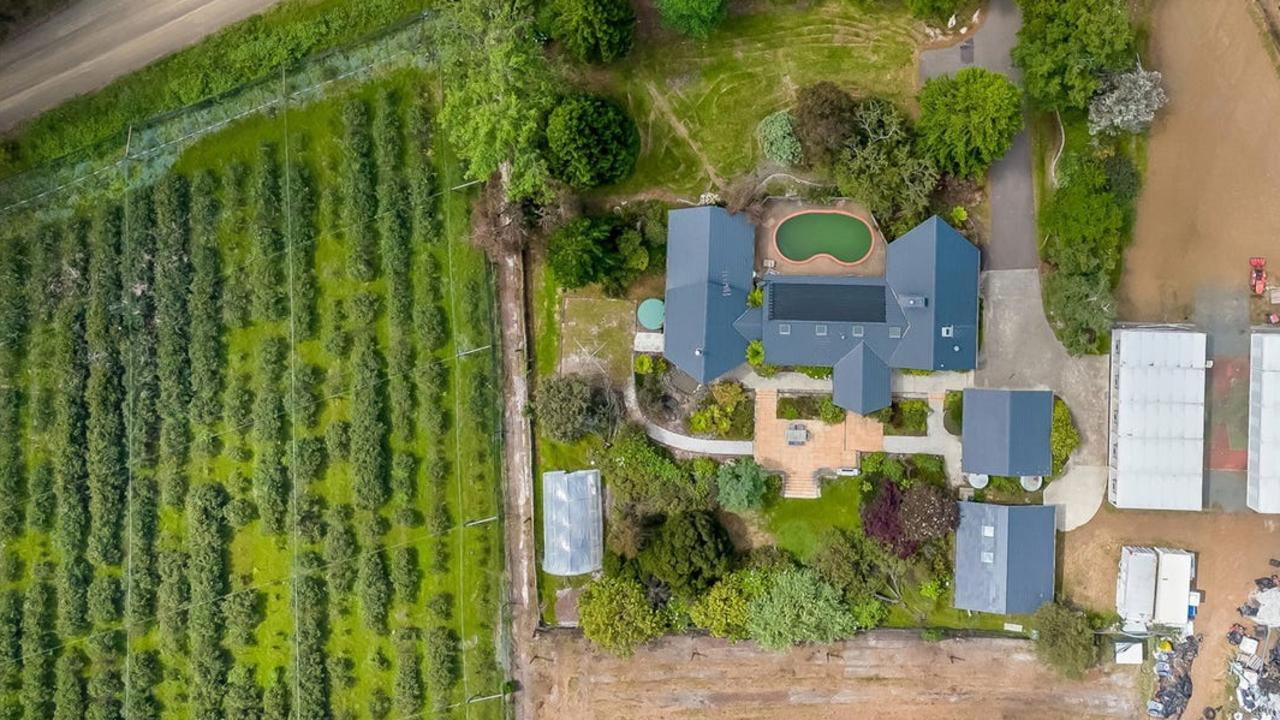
(1013, 206)
(936, 441)
(679, 441)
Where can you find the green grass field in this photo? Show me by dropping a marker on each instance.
(455, 589)
(697, 103)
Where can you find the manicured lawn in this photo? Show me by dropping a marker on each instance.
(697, 103)
(799, 524)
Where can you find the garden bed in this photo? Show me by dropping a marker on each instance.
(905, 417)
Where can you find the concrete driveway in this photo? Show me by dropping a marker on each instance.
(1013, 206)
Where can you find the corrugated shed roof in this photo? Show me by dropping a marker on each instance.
(1004, 558)
(861, 381)
(572, 522)
(710, 259)
(1006, 432)
(1264, 422)
(933, 270)
(1157, 419)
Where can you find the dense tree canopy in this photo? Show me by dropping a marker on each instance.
(725, 609)
(778, 140)
(1066, 46)
(689, 553)
(500, 91)
(825, 120)
(592, 141)
(968, 120)
(1127, 103)
(796, 607)
(1065, 641)
(595, 31)
(615, 615)
(589, 250)
(881, 168)
(570, 406)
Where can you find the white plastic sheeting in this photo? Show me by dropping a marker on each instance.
(1173, 587)
(572, 523)
(1157, 419)
(1136, 585)
(1264, 422)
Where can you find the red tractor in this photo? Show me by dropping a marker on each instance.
(1258, 275)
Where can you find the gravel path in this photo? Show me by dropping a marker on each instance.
(91, 43)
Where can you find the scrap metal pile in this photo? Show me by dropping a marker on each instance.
(1256, 670)
(1173, 677)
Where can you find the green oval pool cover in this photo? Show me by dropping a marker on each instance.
(651, 314)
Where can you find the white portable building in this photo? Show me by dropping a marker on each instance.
(1157, 419)
(1154, 586)
(1173, 586)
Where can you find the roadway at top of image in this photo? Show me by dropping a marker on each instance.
(92, 42)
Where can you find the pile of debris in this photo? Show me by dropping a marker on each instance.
(1258, 680)
(1173, 677)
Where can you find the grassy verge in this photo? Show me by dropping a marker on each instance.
(241, 53)
(697, 102)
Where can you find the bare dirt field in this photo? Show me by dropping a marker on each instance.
(1211, 180)
(1233, 549)
(887, 674)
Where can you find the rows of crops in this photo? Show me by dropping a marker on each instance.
(248, 461)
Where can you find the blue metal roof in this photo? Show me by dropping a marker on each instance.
(1006, 432)
(710, 259)
(1004, 558)
(934, 272)
(861, 381)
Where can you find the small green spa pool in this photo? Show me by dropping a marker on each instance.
(809, 234)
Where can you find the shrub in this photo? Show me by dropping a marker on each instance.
(882, 520)
(755, 297)
(597, 250)
(829, 412)
(724, 610)
(1083, 222)
(689, 553)
(1064, 46)
(1064, 641)
(741, 485)
(824, 122)
(594, 30)
(968, 120)
(935, 10)
(645, 476)
(795, 607)
(755, 354)
(927, 513)
(1064, 438)
(856, 566)
(1128, 102)
(616, 616)
(1080, 307)
(569, 407)
(695, 18)
(592, 141)
(778, 141)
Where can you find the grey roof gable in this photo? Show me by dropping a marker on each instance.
(1007, 432)
(1004, 558)
(933, 270)
(710, 259)
(861, 381)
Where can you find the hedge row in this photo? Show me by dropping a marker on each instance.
(172, 270)
(207, 540)
(205, 350)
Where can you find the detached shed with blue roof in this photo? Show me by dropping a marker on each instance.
(1005, 558)
(1007, 432)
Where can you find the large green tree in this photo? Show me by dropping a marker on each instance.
(689, 553)
(594, 31)
(825, 120)
(968, 120)
(600, 250)
(569, 407)
(798, 607)
(1080, 307)
(592, 141)
(616, 615)
(1083, 222)
(695, 18)
(882, 169)
(741, 485)
(499, 91)
(1066, 46)
(725, 609)
(1064, 639)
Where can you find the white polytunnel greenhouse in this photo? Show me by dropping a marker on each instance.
(1264, 422)
(572, 523)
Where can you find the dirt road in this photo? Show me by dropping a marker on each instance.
(1211, 173)
(1233, 549)
(888, 675)
(517, 493)
(95, 41)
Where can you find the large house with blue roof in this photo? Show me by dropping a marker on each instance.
(921, 315)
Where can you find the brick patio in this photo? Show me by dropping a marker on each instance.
(829, 446)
